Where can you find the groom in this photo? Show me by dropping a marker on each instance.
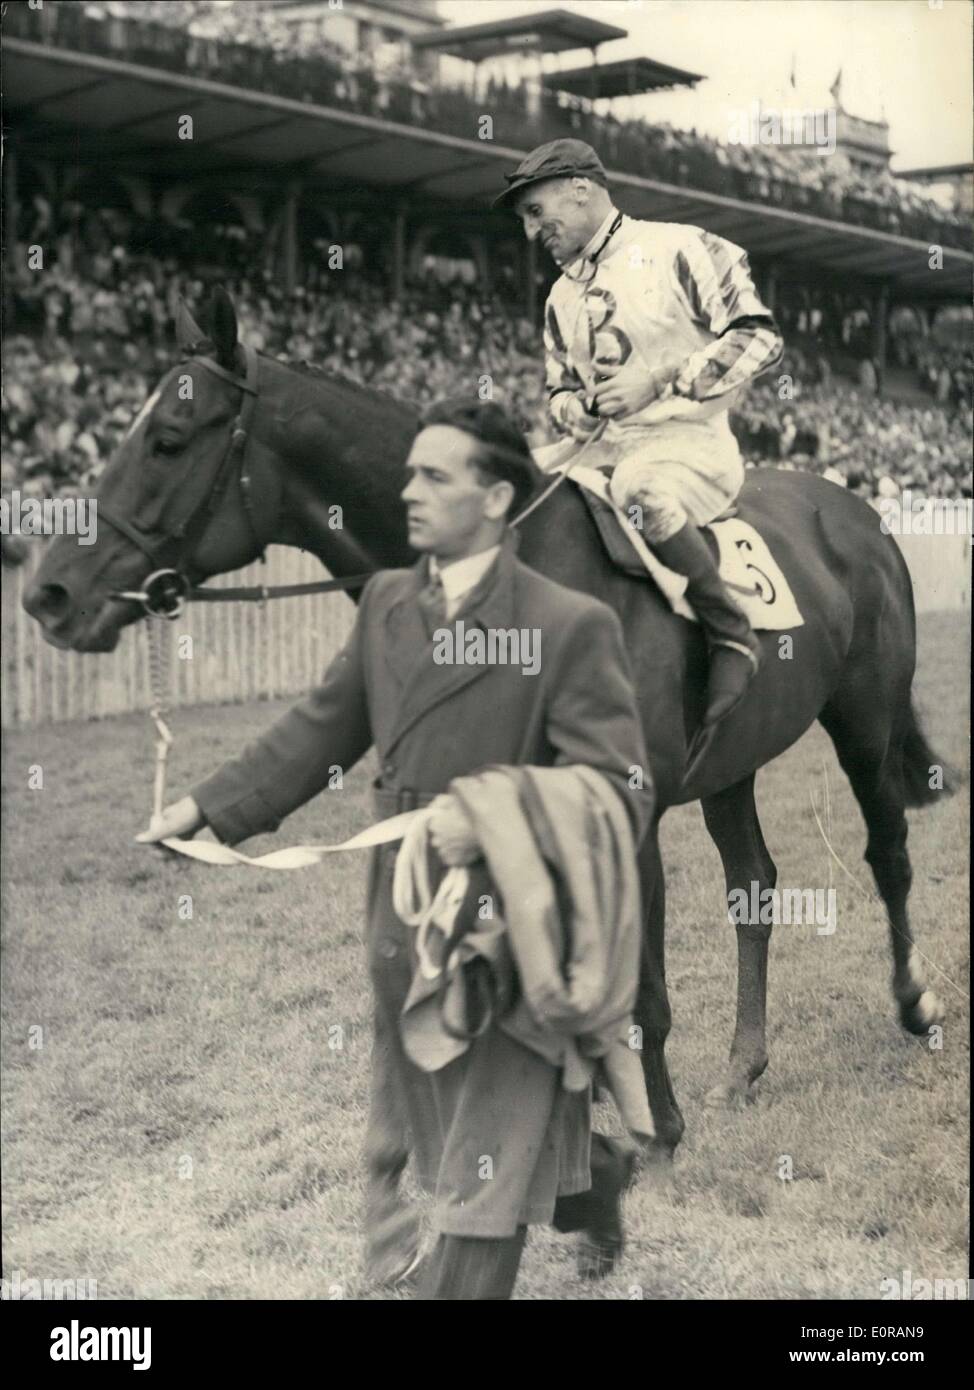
(470, 471)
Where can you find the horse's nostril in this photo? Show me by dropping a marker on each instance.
(47, 601)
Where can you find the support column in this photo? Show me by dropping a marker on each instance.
(11, 207)
(532, 96)
(478, 245)
(771, 286)
(289, 237)
(399, 251)
(10, 193)
(880, 315)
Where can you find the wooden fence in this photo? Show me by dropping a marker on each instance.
(238, 651)
(246, 651)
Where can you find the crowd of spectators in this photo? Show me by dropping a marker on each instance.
(945, 371)
(803, 416)
(87, 341)
(89, 338)
(252, 46)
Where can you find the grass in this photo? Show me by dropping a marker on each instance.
(183, 1117)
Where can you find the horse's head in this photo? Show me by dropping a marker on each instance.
(176, 495)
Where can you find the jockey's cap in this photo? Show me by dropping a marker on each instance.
(559, 159)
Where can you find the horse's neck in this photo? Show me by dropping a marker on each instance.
(339, 452)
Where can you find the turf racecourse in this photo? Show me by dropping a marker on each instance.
(187, 1122)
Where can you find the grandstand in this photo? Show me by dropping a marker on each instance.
(361, 127)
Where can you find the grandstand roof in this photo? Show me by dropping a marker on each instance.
(551, 31)
(415, 9)
(624, 77)
(934, 173)
(128, 114)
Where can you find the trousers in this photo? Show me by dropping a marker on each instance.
(478, 1269)
(672, 492)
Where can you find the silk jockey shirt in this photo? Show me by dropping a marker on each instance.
(659, 294)
(459, 577)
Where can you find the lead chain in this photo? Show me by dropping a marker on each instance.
(160, 653)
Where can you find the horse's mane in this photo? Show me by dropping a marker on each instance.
(333, 377)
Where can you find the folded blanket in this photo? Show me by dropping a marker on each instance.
(542, 939)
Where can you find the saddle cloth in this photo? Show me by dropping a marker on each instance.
(746, 565)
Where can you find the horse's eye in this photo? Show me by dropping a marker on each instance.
(167, 447)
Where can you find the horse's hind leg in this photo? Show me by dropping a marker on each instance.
(651, 1011)
(732, 821)
(872, 758)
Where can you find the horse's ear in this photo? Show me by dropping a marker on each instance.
(188, 332)
(223, 328)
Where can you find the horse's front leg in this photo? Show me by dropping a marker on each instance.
(732, 821)
(651, 1012)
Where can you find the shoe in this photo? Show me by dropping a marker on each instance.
(601, 1245)
(412, 1277)
(735, 652)
(392, 1246)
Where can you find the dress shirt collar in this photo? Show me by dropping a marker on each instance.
(460, 576)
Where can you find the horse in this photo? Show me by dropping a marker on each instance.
(235, 450)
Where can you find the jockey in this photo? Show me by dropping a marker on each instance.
(654, 328)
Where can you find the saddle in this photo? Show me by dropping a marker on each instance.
(746, 565)
(618, 547)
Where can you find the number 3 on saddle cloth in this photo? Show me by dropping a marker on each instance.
(746, 565)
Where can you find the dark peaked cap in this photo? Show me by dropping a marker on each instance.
(559, 159)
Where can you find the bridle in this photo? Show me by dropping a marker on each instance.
(168, 587)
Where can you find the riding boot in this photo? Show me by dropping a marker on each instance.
(734, 650)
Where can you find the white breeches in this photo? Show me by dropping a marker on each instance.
(672, 492)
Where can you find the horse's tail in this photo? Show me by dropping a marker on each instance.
(926, 778)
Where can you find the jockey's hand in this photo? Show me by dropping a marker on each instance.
(578, 420)
(628, 393)
(452, 834)
(180, 821)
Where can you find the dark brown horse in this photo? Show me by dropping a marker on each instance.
(234, 452)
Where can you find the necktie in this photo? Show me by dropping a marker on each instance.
(432, 601)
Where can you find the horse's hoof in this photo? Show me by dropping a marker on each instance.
(597, 1259)
(652, 1156)
(923, 1014)
(730, 1095)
